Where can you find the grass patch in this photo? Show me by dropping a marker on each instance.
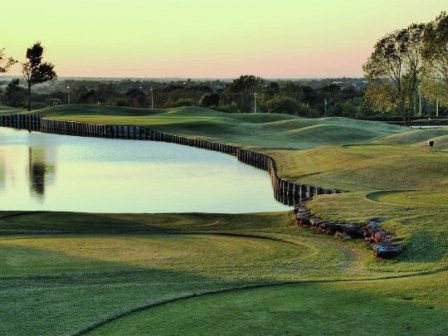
(347, 308)
(84, 268)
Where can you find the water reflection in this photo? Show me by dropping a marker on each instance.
(52, 172)
(2, 171)
(41, 170)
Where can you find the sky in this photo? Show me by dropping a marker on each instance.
(206, 38)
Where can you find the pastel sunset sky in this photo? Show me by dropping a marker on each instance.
(206, 38)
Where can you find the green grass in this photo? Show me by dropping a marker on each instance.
(9, 110)
(258, 130)
(63, 272)
(348, 308)
(416, 199)
(84, 268)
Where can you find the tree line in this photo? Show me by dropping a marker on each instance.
(407, 68)
(407, 64)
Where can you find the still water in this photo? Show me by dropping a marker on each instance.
(41, 171)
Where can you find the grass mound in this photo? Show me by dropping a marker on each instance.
(415, 136)
(9, 109)
(257, 130)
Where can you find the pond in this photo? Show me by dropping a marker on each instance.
(40, 171)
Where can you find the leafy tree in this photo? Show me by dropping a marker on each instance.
(271, 89)
(309, 95)
(14, 94)
(209, 99)
(394, 70)
(435, 91)
(34, 71)
(282, 104)
(137, 98)
(84, 96)
(5, 62)
(435, 54)
(106, 94)
(435, 51)
(241, 91)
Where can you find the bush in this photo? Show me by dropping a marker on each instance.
(229, 108)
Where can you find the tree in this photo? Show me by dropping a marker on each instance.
(435, 91)
(435, 55)
(15, 94)
(241, 91)
(137, 98)
(5, 62)
(272, 89)
(209, 99)
(435, 51)
(34, 71)
(395, 69)
(282, 104)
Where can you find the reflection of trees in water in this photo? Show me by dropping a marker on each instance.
(41, 169)
(2, 171)
(37, 178)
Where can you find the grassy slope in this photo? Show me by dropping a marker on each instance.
(81, 269)
(9, 110)
(332, 152)
(259, 130)
(103, 283)
(390, 307)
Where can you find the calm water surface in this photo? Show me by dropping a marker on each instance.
(41, 171)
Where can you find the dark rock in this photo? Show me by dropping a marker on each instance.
(352, 230)
(386, 250)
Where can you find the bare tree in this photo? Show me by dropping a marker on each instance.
(5, 62)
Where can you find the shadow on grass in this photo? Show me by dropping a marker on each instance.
(80, 223)
(49, 293)
(425, 247)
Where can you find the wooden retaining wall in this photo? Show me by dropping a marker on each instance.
(286, 192)
(26, 121)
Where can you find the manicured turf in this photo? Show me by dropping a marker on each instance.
(63, 273)
(390, 307)
(82, 269)
(9, 110)
(412, 198)
(261, 130)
